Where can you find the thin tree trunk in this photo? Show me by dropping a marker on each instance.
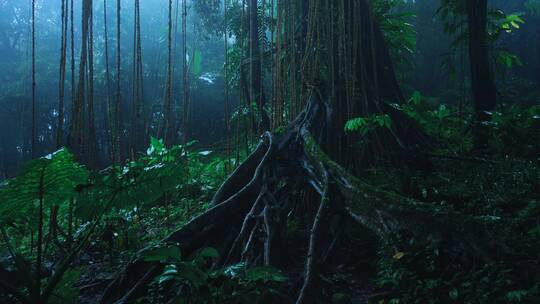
(226, 87)
(72, 49)
(34, 128)
(482, 82)
(77, 136)
(185, 86)
(61, 89)
(168, 126)
(118, 85)
(255, 85)
(110, 110)
(137, 84)
(92, 139)
(538, 57)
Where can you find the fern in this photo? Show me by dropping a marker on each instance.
(364, 125)
(53, 177)
(140, 182)
(399, 33)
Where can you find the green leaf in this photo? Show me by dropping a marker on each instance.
(156, 146)
(416, 98)
(208, 252)
(196, 63)
(65, 292)
(454, 294)
(170, 272)
(338, 297)
(355, 124)
(193, 274)
(235, 270)
(53, 178)
(164, 253)
(265, 274)
(516, 296)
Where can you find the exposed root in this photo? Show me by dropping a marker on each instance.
(313, 251)
(252, 206)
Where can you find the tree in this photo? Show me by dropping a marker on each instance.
(82, 132)
(482, 82)
(346, 72)
(62, 77)
(168, 131)
(117, 124)
(34, 126)
(256, 93)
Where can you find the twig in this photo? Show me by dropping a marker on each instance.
(462, 158)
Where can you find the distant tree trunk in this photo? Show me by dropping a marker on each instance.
(168, 124)
(61, 89)
(34, 128)
(72, 51)
(226, 88)
(92, 155)
(77, 134)
(482, 82)
(118, 102)
(255, 84)
(110, 109)
(185, 82)
(137, 98)
(538, 57)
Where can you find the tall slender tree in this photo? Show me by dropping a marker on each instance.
(137, 96)
(185, 82)
(79, 121)
(92, 156)
(72, 53)
(168, 123)
(34, 127)
(118, 101)
(110, 109)
(226, 84)
(483, 85)
(62, 69)
(256, 92)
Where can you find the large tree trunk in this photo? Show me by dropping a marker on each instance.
(300, 172)
(482, 82)
(251, 209)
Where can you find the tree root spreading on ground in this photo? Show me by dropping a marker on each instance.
(283, 178)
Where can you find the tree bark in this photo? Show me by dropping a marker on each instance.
(483, 85)
(300, 172)
(272, 180)
(256, 86)
(77, 132)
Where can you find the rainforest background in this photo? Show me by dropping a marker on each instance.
(269, 151)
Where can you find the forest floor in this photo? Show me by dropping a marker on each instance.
(498, 188)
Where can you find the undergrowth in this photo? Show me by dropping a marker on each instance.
(69, 229)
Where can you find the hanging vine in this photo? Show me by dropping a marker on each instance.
(62, 70)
